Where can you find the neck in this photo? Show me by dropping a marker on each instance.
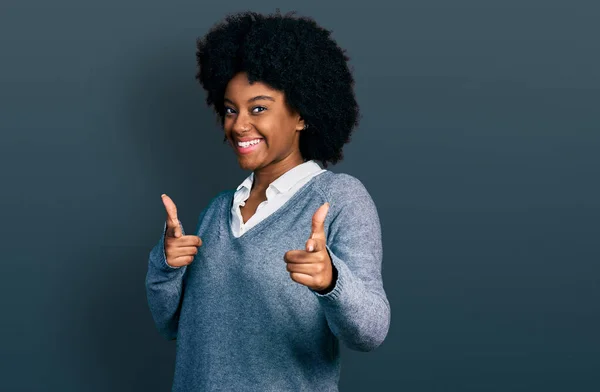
(263, 177)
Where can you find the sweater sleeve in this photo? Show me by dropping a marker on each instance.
(164, 288)
(357, 308)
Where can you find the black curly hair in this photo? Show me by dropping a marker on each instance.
(290, 54)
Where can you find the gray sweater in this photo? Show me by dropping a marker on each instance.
(241, 322)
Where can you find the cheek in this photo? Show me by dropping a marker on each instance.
(227, 126)
(281, 127)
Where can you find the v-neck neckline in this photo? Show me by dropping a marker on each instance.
(257, 228)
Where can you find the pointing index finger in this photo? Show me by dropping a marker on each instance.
(318, 222)
(171, 210)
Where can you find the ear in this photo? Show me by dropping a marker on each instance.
(300, 124)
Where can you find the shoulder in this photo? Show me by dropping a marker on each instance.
(342, 185)
(347, 195)
(217, 202)
(221, 198)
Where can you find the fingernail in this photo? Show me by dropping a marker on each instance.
(310, 248)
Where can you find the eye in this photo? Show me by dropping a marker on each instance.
(229, 110)
(255, 109)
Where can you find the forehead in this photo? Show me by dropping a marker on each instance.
(240, 90)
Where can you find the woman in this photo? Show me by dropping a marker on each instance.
(287, 265)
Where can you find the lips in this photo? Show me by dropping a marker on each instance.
(245, 139)
(250, 148)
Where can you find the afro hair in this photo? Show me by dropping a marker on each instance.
(290, 54)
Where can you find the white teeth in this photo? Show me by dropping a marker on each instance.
(247, 144)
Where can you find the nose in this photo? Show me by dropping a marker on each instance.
(241, 123)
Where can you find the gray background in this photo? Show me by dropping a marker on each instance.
(479, 144)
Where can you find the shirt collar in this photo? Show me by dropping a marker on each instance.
(288, 179)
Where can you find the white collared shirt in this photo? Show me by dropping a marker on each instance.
(278, 192)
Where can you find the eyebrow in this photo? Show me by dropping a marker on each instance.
(257, 98)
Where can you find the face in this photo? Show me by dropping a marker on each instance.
(256, 111)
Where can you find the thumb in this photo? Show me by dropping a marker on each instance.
(318, 223)
(173, 227)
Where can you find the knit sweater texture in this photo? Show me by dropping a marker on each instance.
(242, 324)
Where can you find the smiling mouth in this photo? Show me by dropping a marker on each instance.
(249, 148)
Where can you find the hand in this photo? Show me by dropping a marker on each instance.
(313, 267)
(179, 249)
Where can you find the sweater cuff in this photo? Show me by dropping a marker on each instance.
(343, 279)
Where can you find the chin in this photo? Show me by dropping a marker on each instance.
(247, 164)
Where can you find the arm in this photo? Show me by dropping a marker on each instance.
(164, 288)
(356, 308)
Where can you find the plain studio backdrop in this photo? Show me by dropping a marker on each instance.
(479, 143)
